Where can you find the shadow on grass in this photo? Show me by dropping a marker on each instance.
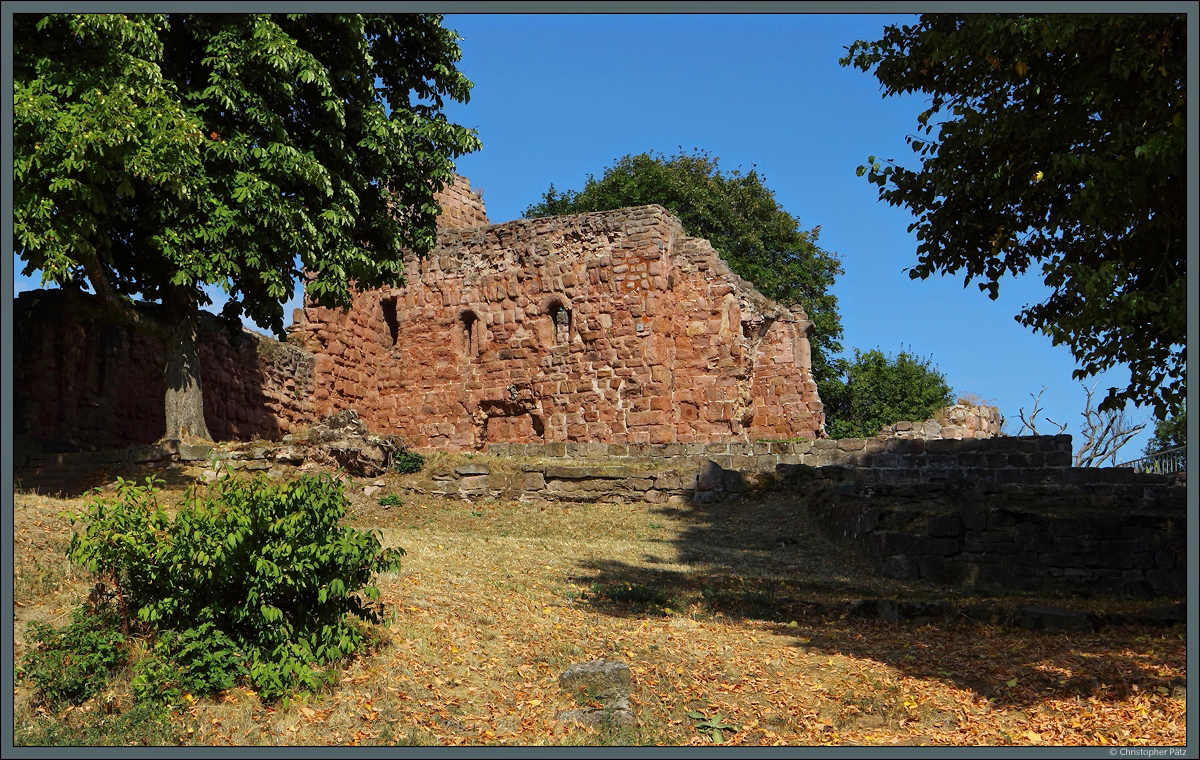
(764, 559)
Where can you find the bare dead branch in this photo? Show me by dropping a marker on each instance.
(1030, 423)
(1104, 433)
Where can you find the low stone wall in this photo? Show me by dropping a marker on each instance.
(1028, 459)
(69, 474)
(997, 514)
(1099, 531)
(578, 482)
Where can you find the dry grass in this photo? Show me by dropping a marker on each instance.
(723, 608)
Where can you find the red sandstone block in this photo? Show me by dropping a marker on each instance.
(662, 434)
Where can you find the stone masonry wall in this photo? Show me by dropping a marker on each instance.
(988, 514)
(1025, 459)
(958, 421)
(1092, 530)
(82, 384)
(607, 327)
(460, 206)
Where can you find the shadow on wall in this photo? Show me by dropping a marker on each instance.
(83, 385)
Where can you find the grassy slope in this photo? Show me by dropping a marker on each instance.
(729, 609)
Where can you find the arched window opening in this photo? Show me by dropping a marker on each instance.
(471, 333)
(560, 316)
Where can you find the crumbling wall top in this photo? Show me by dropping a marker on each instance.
(460, 205)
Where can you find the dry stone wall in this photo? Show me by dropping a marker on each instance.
(608, 327)
(957, 422)
(994, 514)
(1088, 530)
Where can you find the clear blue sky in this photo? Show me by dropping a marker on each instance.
(558, 97)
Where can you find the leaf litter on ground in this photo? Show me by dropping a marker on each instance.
(487, 613)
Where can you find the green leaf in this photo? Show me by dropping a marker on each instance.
(1104, 228)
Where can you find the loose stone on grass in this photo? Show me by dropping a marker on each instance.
(602, 681)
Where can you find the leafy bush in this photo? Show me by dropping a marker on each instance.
(73, 663)
(256, 580)
(200, 660)
(881, 390)
(391, 500)
(407, 462)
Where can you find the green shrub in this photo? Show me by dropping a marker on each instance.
(391, 500)
(407, 462)
(255, 579)
(201, 660)
(73, 663)
(881, 390)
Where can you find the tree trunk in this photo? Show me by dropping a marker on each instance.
(184, 402)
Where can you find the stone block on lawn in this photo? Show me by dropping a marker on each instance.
(601, 680)
(710, 476)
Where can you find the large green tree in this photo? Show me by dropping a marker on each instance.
(156, 154)
(1056, 142)
(739, 215)
(879, 390)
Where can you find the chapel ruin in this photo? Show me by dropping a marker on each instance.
(609, 327)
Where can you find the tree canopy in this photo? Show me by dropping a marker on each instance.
(1170, 433)
(879, 390)
(155, 154)
(1056, 141)
(739, 215)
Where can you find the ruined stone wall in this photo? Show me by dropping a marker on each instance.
(957, 422)
(460, 206)
(1082, 531)
(81, 384)
(607, 327)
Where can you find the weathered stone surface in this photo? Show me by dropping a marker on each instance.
(473, 483)
(900, 567)
(343, 438)
(709, 476)
(473, 469)
(600, 680)
(603, 717)
(607, 327)
(591, 472)
(191, 452)
(292, 455)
